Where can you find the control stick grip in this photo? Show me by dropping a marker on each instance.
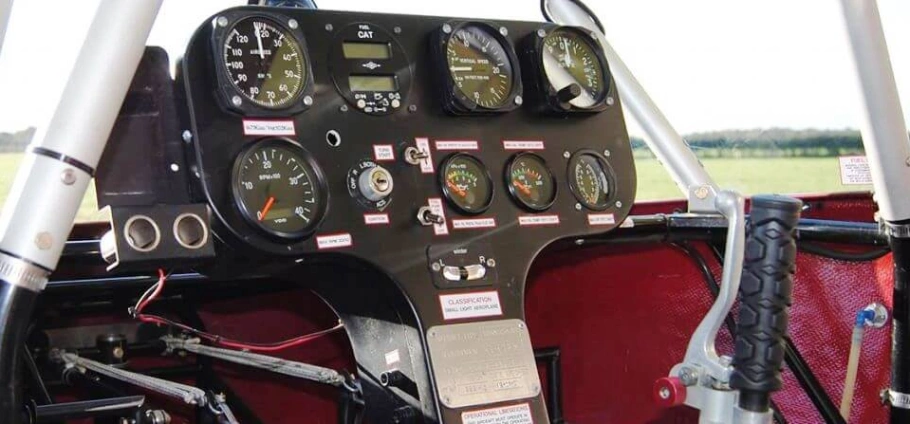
(765, 297)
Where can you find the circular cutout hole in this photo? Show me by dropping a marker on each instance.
(141, 233)
(333, 138)
(190, 231)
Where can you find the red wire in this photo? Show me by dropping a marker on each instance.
(216, 339)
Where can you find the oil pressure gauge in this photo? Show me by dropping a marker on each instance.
(570, 69)
(466, 184)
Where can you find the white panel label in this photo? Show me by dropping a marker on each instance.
(435, 205)
(334, 241)
(426, 165)
(376, 218)
(854, 170)
(457, 145)
(522, 145)
(392, 357)
(601, 219)
(470, 305)
(383, 152)
(470, 224)
(265, 127)
(517, 414)
(532, 220)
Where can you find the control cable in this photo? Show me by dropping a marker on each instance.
(155, 290)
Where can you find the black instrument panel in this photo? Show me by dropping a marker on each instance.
(443, 167)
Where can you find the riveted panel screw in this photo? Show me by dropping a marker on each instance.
(618, 204)
(436, 267)
(701, 192)
(566, 154)
(222, 21)
(518, 100)
(237, 101)
(491, 263)
(293, 24)
(68, 177)
(329, 27)
(607, 152)
(541, 33)
(446, 28)
(187, 136)
(308, 100)
(578, 206)
(688, 376)
(397, 30)
(343, 108)
(610, 101)
(504, 31)
(412, 108)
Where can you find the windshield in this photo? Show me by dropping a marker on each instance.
(764, 91)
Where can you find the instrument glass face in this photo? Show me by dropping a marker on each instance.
(569, 58)
(589, 180)
(530, 182)
(466, 184)
(264, 62)
(277, 189)
(480, 66)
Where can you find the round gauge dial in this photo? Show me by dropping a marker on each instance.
(278, 189)
(530, 182)
(589, 180)
(480, 66)
(466, 184)
(264, 62)
(570, 58)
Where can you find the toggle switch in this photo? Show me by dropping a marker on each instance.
(426, 217)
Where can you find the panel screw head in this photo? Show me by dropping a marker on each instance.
(329, 27)
(541, 33)
(412, 108)
(610, 101)
(521, 325)
(618, 204)
(436, 267)
(397, 30)
(578, 206)
(688, 376)
(491, 263)
(222, 21)
(504, 31)
(293, 24)
(701, 192)
(566, 154)
(606, 152)
(68, 177)
(579, 242)
(343, 108)
(237, 101)
(446, 28)
(187, 136)
(308, 100)
(518, 100)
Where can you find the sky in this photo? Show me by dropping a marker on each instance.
(709, 64)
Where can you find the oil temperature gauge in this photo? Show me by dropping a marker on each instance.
(530, 182)
(591, 180)
(466, 183)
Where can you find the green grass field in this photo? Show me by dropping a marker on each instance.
(748, 176)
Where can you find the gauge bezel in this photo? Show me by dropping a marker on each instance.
(514, 194)
(547, 95)
(608, 171)
(448, 194)
(226, 90)
(319, 184)
(455, 101)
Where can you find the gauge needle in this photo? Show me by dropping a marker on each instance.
(267, 207)
(461, 192)
(567, 58)
(525, 189)
(259, 40)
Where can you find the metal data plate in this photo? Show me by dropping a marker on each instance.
(483, 362)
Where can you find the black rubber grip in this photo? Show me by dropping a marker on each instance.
(765, 296)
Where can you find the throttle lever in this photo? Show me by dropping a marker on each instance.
(765, 297)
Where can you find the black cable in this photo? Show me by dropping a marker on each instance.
(582, 6)
(826, 252)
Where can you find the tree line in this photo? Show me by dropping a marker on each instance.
(773, 142)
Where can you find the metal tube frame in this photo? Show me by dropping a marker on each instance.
(6, 9)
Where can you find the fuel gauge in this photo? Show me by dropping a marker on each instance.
(530, 182)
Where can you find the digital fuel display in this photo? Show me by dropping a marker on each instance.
(384, 83)
(360, 50)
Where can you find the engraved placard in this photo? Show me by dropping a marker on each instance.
(481, 363)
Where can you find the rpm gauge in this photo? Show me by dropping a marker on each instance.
(590, 180)
(279, 189)
(466, 184)
(265, 63)
(569, 57)
(530, 182)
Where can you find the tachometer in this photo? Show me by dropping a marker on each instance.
(264, 62)
(279, 189)
(569, 57)
(466, 184)
(590, 180)
(530, 182)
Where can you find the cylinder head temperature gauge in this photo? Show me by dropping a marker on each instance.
(279, 189)
(466, 184)
(530, 182)
(591, 180)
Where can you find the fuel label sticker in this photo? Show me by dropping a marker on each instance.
(854, 170)
(522, 145)
(515, 414)
(426, 164)
(268, 127)
(334, 241)
(470, 305)
(383, 152)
